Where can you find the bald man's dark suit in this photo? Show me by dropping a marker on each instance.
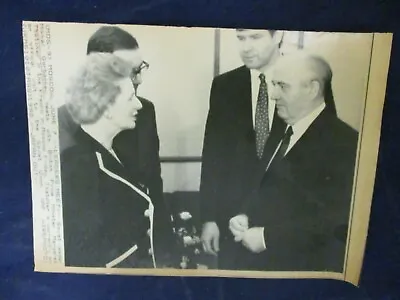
(303, 202)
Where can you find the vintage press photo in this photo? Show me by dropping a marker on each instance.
(202, 151)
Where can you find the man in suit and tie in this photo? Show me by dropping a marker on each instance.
(297, 219)
(242, 127)
(138, 147)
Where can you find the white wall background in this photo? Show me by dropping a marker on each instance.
(180, 75)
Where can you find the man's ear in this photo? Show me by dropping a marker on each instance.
(278, 37)
(314, 89)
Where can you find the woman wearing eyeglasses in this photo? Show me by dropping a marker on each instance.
(107, 211)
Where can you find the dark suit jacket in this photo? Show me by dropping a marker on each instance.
(303, 203)
(106, 211)
(139, 148)
(230, 165)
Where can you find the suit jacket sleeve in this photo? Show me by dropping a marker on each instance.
(156, 183)
(211, 158)
(162, 222)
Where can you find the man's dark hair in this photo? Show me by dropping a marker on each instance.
(271, 32)
(111, 38)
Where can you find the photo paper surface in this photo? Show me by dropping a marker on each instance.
(202, 151)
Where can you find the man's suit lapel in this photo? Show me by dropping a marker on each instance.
(243, 97)
(276, 135)
(247, 146)
(310, 142)
(241, 93)
(312, 137)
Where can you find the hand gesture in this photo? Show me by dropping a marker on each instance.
(238, 225)
(210, 238)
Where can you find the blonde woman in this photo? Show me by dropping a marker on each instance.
(108, 213)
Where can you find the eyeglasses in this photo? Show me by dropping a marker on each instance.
(143, 67)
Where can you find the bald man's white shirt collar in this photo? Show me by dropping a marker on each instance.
(301, 126)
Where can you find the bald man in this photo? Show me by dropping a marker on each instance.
(297, 219)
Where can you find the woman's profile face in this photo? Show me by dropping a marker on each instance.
(123, 112)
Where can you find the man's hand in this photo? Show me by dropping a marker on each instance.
(253, 239)
(238, 226)
(210, 238)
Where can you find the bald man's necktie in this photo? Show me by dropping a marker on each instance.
(283, 147)
(261, 116)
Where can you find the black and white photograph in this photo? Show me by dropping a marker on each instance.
(202, 151)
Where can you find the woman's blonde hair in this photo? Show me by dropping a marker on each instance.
(95, 86)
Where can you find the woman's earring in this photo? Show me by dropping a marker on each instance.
(107, 114)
